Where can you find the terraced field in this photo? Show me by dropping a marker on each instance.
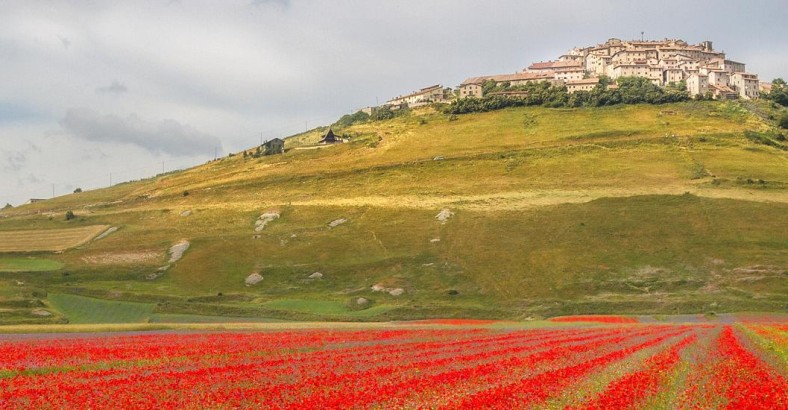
(48, 240)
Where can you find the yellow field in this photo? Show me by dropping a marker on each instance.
(48, 240)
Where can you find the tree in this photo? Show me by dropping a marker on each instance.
(350, 119)
(784, 121)
(70, 215)
(604, 81)
(78, 190)
(382, 113)
(779, 93)
(489, 86)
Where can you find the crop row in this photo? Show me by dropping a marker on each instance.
(687, 366)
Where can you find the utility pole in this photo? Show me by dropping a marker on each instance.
(110, 179)
(641, 36)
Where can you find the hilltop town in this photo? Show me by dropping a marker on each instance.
(701, 70)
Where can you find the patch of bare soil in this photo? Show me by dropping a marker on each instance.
(121, 258)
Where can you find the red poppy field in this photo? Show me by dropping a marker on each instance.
(438, 364)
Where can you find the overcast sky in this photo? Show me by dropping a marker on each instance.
(98, 90)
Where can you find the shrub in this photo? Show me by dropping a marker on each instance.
(70, 215)
(185, 193)
(78, 190)
(350, 119)
(784, 121)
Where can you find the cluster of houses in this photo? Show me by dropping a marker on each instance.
(703, 70)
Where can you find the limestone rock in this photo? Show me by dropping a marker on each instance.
(177, 250)
(336, 222)
(41, 312)
(264, 219)
(444, 215)
(253, 279)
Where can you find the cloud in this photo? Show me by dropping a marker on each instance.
(115, 88)
(65, 42)
(165, 136)
(14, 160)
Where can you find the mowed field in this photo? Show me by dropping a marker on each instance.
(428, 364)
(637, 209)
(51, 240)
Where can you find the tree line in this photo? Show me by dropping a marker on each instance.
(630, 90)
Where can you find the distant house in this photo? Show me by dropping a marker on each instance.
(586, 84)
(426, 95)
(330, 138)
(34, 200)
(274, 146)
(474, 86)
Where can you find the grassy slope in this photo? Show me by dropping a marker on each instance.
(82, 310)
(557, 211)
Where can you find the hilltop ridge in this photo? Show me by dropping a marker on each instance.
(627, 209)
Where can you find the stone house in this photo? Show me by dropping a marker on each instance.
(274, 146)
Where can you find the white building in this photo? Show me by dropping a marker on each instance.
(423, 96)
(663, 62)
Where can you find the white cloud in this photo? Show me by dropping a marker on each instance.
(115, 88)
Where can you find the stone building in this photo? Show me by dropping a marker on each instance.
(274, 146)
(423, 96)
(663, 62)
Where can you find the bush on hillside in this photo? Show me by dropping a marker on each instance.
(386, 112)
(779, 93)
(784, 121)
(70, 215)
(350, 119)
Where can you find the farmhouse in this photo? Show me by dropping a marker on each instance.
(586, 84)
(423, 96)
(473, 87)
(274, 146)
(330, 138)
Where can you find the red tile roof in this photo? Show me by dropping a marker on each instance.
(508, 77)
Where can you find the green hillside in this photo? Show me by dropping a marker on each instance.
(638, 209)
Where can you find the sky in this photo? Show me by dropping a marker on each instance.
(93, 93)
